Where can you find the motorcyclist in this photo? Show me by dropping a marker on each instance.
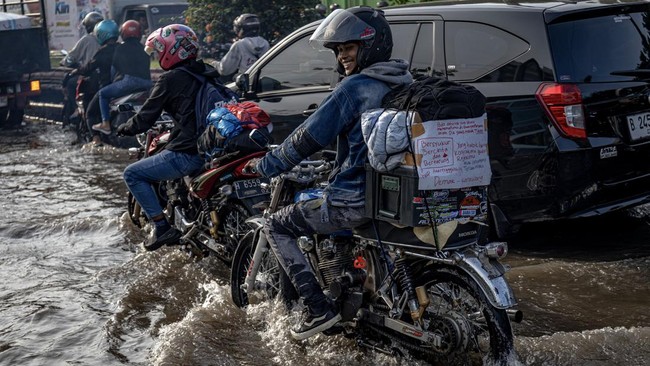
(175, 91)
(80, 54)
(130, 69)
(249, 46)
(100, 65)
(362, 42)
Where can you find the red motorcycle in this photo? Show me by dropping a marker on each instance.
(209, 209)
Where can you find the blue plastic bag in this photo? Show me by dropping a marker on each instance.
(226, 123)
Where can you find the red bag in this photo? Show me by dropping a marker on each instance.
(250, 114)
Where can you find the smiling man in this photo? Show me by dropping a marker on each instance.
(362, 42)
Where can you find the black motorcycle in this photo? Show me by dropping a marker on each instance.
(449, 305)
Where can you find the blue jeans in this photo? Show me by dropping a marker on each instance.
(127, 85)
(307, 218)
(166, 165)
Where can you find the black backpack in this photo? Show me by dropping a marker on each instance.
(435, 98)
(211, 95)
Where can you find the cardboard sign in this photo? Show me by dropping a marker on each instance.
(451, 153)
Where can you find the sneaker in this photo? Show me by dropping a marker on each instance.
(312, 324)
(168, 237)
(100, 127)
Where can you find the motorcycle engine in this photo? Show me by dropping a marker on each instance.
(345, 282)
(334, 256)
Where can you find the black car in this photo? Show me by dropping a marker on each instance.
(567, 88)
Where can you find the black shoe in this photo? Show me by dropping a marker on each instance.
(168, 237)
(313, 324)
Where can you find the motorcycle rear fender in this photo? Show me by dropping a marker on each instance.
(488, 274)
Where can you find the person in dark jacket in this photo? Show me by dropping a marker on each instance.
(174, 92)
(131, 73)
(99, 67)
(362, 42)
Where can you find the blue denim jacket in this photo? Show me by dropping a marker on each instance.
(337, 117)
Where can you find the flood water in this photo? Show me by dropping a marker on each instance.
(76, 288)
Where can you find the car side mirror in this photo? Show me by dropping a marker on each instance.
(242, 81)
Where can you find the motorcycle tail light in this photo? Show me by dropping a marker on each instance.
(497, 250)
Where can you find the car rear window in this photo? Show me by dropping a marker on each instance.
(588, 50)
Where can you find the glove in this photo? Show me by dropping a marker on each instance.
(125, 129)
(210, 139)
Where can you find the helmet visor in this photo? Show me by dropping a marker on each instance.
(341, 26)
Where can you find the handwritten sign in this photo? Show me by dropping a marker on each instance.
(452, 153)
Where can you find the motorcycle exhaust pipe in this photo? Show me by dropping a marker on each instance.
(515, 315)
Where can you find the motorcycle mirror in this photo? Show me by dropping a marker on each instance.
(259, 138)
(126, 107)
(64, 52)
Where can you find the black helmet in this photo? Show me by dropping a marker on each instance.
(320, 8)
(335, 6)
(362, 24)
(90, 20)
(382, 4)
(246, 25)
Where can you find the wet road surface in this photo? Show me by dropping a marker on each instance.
(77, 288)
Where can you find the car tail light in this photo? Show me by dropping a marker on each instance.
(563, 104)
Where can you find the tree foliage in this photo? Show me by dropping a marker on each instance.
(212, 19)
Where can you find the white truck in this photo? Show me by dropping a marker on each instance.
(65, 16)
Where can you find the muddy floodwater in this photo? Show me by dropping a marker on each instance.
(76, 288)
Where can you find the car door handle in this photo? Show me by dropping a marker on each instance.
(310, 110)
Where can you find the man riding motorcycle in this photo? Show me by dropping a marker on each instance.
(174, 92)
(362, 42)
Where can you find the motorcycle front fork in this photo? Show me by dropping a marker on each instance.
(261, 247)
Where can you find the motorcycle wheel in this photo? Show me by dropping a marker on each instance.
(232, 226)
(473, 331)
(135, 212)
(83, 134)
(271, 276)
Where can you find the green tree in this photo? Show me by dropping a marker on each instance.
(212, 19)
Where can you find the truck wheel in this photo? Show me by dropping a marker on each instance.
(15, 117)
(3, 115)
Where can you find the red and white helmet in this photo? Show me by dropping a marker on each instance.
(174, 44)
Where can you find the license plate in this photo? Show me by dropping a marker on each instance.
(4, 101)
(250, 187)
(639, 125)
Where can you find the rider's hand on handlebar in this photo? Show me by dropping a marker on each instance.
(251, 166)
